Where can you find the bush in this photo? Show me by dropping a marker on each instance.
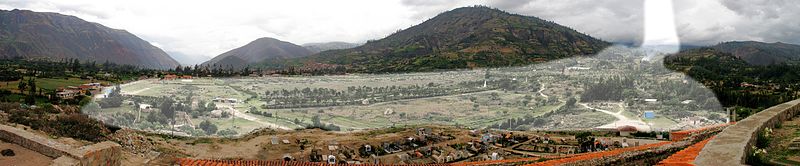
(110, 102)
(74, 125)
(208, 127)
(228, 132)
(78, 126)
(763, 139)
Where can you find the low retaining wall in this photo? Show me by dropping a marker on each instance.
(104, 153)
(732, 145)
(45, 146)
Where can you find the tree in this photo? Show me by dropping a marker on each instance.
(211, 106)
(208, 127)
(167, 109)
(526, 100)
(201, 106)
(21, 86)
(571, 102)
(315, 121)
(155, 118)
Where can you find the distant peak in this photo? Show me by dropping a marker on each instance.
(266, 38)
(475, 8)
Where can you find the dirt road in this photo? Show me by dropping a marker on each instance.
(622, 120)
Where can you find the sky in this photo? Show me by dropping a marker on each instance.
(196, 30)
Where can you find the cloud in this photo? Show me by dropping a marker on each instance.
(612, 20)
(711, 22)
(208, 28)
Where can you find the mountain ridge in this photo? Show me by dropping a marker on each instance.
(258, 50)
(466, 37)
(325, 46)
(29, 34)
(761, 53)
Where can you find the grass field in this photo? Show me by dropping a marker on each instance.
(45, 83)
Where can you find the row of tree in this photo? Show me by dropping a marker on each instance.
(314, 97)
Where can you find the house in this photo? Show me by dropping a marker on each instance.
(578, 68)
(170, 77)
(84, 87)
(745, 84)
(73, 88)
(145, 106)
(626, 130)
(90, 86)
(225, 100)
(67, 94)
(488, 138)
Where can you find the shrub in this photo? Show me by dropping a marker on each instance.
(208, 127)
(763, 139)
(74, 125)
(228, 132)
(78, 126)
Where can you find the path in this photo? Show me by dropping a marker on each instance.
(622, 120)
(254, 119)
(135, 92)
(540, 92)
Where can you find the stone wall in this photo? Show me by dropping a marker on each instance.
(732, 145)
(45, 146)
(104, 153)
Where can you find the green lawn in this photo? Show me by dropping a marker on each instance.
(45, 83)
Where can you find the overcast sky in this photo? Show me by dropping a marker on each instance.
(204, 29)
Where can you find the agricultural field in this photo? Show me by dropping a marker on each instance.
(608, 90)
(45, 83)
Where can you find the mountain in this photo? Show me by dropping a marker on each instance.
(262, 49)
(465, 37)
(54, 36)
(759, 53)
(319, 47)
(735, 81)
